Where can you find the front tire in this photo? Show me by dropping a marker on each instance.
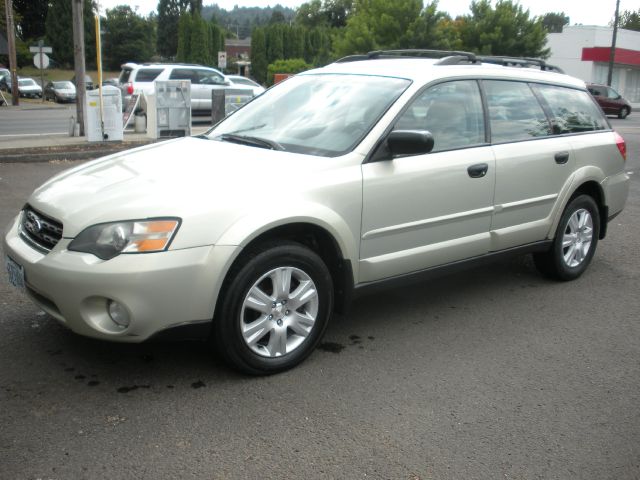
(575, 241)
(275, 308)
(624, 111)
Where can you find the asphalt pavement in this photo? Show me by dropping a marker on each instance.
(491, 373)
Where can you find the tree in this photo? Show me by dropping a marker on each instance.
(259, 61)
(275, 43)
(434, 29)
(553, 22)
(31, 15)
(168, 17)
(292, 65)
(199, 41)
(184, 38)
(630, 20)
(277, 17)
(59, 32)
(503, 30)
(378, 24)
(128, 37)
(331, 13)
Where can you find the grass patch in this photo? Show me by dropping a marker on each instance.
(55, 74)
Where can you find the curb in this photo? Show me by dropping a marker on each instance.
(66, 152)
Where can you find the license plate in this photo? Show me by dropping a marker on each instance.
(16, 273)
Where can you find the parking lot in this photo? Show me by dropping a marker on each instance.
(490, 373)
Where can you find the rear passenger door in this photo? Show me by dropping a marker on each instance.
(532, 165)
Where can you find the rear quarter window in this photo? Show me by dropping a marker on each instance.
(148, 74)
(574, 111)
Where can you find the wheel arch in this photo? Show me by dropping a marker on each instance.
(318, 239)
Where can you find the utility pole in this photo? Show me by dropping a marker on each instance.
(612, 54)
(78, 58)
(11, 43)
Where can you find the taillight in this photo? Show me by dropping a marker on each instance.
(622, 146)
(130, 88)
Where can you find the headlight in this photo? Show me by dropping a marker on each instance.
(108, 240)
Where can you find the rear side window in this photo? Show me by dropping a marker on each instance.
(573, 110)
(514, 112)
(185, 74)
(148, 74)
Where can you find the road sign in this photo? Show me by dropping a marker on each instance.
(41, 62)
(222, 59)
(36, 49)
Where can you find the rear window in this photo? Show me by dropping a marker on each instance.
(147, 74)
(574, 111)
(124, 75)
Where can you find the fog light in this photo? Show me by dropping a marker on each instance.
(118, 314)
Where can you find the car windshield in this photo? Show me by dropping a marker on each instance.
(27, 82)
(325, 115)
(62, 85)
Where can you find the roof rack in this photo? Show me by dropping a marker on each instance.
(454, 57)
(520, 62)
(409, 53)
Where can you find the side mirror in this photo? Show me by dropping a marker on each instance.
(409, 142)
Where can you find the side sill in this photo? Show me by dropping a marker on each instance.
(429, 273)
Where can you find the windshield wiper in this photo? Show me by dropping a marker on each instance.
(248, 129)
(251, 141)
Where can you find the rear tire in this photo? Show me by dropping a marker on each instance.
(575, 242)
(274, 309)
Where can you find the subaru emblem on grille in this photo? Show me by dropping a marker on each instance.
(32, 223)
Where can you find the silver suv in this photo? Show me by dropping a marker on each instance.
(375, 169)
(140, 78)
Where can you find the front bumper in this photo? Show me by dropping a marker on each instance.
(159, 290)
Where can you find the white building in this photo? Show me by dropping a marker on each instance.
(583, 52)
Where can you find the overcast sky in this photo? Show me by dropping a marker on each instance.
(579, 11)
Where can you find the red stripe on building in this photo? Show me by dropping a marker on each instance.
(601, 54)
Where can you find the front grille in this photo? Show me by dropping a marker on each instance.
(43, 231)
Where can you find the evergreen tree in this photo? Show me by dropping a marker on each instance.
(184, 38)
(168, 18)
(259, 61)
(503, 30)
(128, 37)
(553, 22)
(199, 41)
(59, 32)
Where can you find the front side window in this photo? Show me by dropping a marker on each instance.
(325, 115)
(207, 77)
(514, 112)
(451, 111)
(574, 111)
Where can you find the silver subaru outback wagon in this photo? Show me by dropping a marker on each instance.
(377, 168)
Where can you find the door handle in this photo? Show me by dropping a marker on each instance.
(562, 158)
(478, 170)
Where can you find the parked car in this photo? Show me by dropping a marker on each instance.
(4, 75)
(88, 82)
(246, 82)
(60, 91)
(369, 171)
(140, 78)
(611, 102)
(28, 87)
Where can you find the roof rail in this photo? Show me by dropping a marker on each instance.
(520, 62)
(454, 57)
(409, 53)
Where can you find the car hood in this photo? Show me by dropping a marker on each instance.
(203, 182)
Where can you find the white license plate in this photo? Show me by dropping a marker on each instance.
(16, 273)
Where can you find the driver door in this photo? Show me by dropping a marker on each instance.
(427, 210)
